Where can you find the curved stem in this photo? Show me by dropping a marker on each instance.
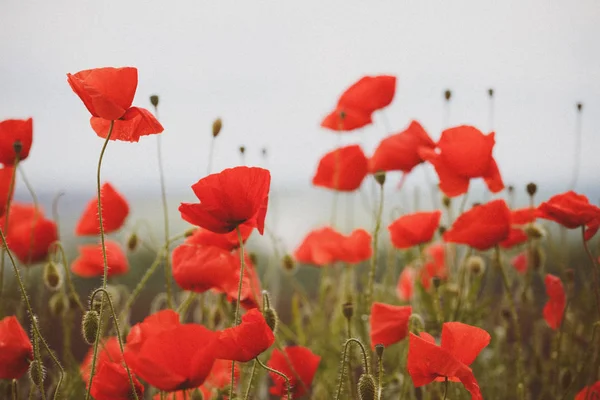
(249, 388)
(237, 303)
(365, 362)
(287, 381)
(163, 193)
(70, 284)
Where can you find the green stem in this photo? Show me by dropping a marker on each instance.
(445, 387)
(373, 266)
(14, 389)
(11, 188)
(249, 388)
(365, 362)
(70, 285)
(287, 381)
(36, 214)
(163, 193)
(237, 303)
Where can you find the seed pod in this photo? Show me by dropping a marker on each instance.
(154, 100)
(89, 326)
(380, 177)
(216, 127)
(531, 188)
(132, 242)
(379, 350)
(366, 387)
(52, 276)
(348, 310)
(476, 265)
(288, 262)
(448, 95)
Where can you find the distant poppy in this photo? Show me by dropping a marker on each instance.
(555, 307)
(389, 324)
(6, 177)
(108, 351)
(406, 284)
(108, 93)
(170, 356)
(234, 197)
(343, 119)
(13, 131)
(29, 234)
(515, 237)
(201, 268)
(114, 212)
(111, 382)
(414, 229)
(342, 169)
(589, 392)
(325, 246)
(90, 262)
(571, 210)
(481, 227)
(369, 93)
(461, 343)
(464, 153)
(400, 152)
(226, 241)
(16, 351)
(246, 340)
(299, 366)
(519, 262)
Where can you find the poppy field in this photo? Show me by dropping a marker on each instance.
(461, 300)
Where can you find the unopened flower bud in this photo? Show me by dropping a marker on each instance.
(216, 127)
(476, 265)
(197, 395)
(380, 177)
(271, 318)
(288, 262)
(190, 232)
(132, 242)
(448, 95)
(348, 310)
(579, 106)
(242, 150)
(491, 92)
(535, 231)
(531, 188)
(154, 100)
(52, 276)
(379, 350)
(37, 373)
(89, 326)
(366, 387)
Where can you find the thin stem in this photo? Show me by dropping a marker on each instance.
(249, 388)
(210, 156)
(163, 194)
(237, 303)
(577, 155)
(365, 362)
(70, 284)
(594, 269)
(559, 342)
(281, 374)
(373, 266)
(11, 188)
(183, 307)
(445, 387)
(14, 389)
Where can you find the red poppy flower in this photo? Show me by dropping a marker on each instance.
(16, 352)
(234, 197)
(90, 262)
(389, 324)
(515, 237)
(464, 153)
(571, 210)
(400, 152)
(344, 119)
(461, 343)
(325, 246)
(555, 307)
(108, 351)
(481, 227)
(246, 340)
(523, 216)
(406, 284)
(342, 169)
(6, 176)
(414, 229)
(519, 262)
(251, 289)
(201, 268)
(11, 132)
(135, 123)
(168, 355)
(435, 264)
(112, 383)
(369, 93)
(226, 241)
(304, 364)
(29, 234)
(589, 392)
(114, 212)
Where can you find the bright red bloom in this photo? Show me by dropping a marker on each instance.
(406, 284)
(108, 351)
(481, 227)
(168, 355)
(234, 197)
(6, 176)
(523, 216)
(555, 307)
(136, 122)
(201, 268)
(519, 262)
(389, 324)
(90, 262)
(515, 237)
(251, 289)
(114, 212)
(325, 246)
(571, 210)
(369, 93)
(12, 131)
(29, 234)
(111, 382)
(464, 153)
(343, 119)
(16, 351)
(589, 392)
(460, 346)
(304, 364)
(246, 340)
(342, 169)
(435, 264)
(226, 241)
(400, 152)
(414, 229)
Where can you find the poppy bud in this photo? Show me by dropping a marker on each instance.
(436, 282)
(448, 95)
(531, 188)
(242, 150)
(446, 201)
(476, 265)
(37, 373)
(154, 100)
(271, 318)
(58, 304)
(380, 177)
(18, 147)
(579, 106)
(197, 395)
(216, 127)
(535, 231)
(348, 310)
(89, 326)
(190, 232)
(442, 229)
(379, 350)
(253, 258)
(366, 387)
(52, 277)
(510, 189)
(132, 242)
(288, 262)
(491, 92)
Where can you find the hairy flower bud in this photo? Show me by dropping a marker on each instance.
(271, 318)
(52, 276)
(37, 373)
(476, 265)
(366, 387)
(89, 326)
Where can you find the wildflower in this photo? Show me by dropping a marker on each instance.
(325, 246)
(519, 262)
(16, 351)
(406, 284)
(112, 383)
(226, 241)
(90, 262)
(245, 341)
(555, 307)
(342, 169)
(15, 132)
(389, 324)
(108, 351)
(234, 197)
(345, 119)
(201, 268)
(299, 366)
(571, 210)
(589, 392)
(114, 212)
(414, 229)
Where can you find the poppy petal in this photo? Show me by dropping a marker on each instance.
(463, 341)
(136, 122)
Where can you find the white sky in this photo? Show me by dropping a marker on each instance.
(273, 69)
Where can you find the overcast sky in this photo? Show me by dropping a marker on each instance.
(273, 69)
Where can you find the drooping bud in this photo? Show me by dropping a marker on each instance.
(271, 318)
(89, 326)
(190, 232)
(52, 276)
(531, 188)
(132, 242)
(37, 373)
(476, 265)
(216, 127)
(448, 94)
(366, 387)
(348, 310)
(380, 177)
(154, 100)
(288, 262)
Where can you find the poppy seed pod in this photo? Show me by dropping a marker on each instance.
(52, 277)
(18, 147)
(531, 188)
(242, 149)
(132, 242)
(37, 373)
(579, 106)
(491, 92)
(288, 262)
(476, 265)
(154, 100)
(448, 95)
(380, 178)
(348, 310)
(89, 326)
(366, 387)
(216, 127)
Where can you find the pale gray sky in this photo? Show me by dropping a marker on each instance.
(273, 69)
